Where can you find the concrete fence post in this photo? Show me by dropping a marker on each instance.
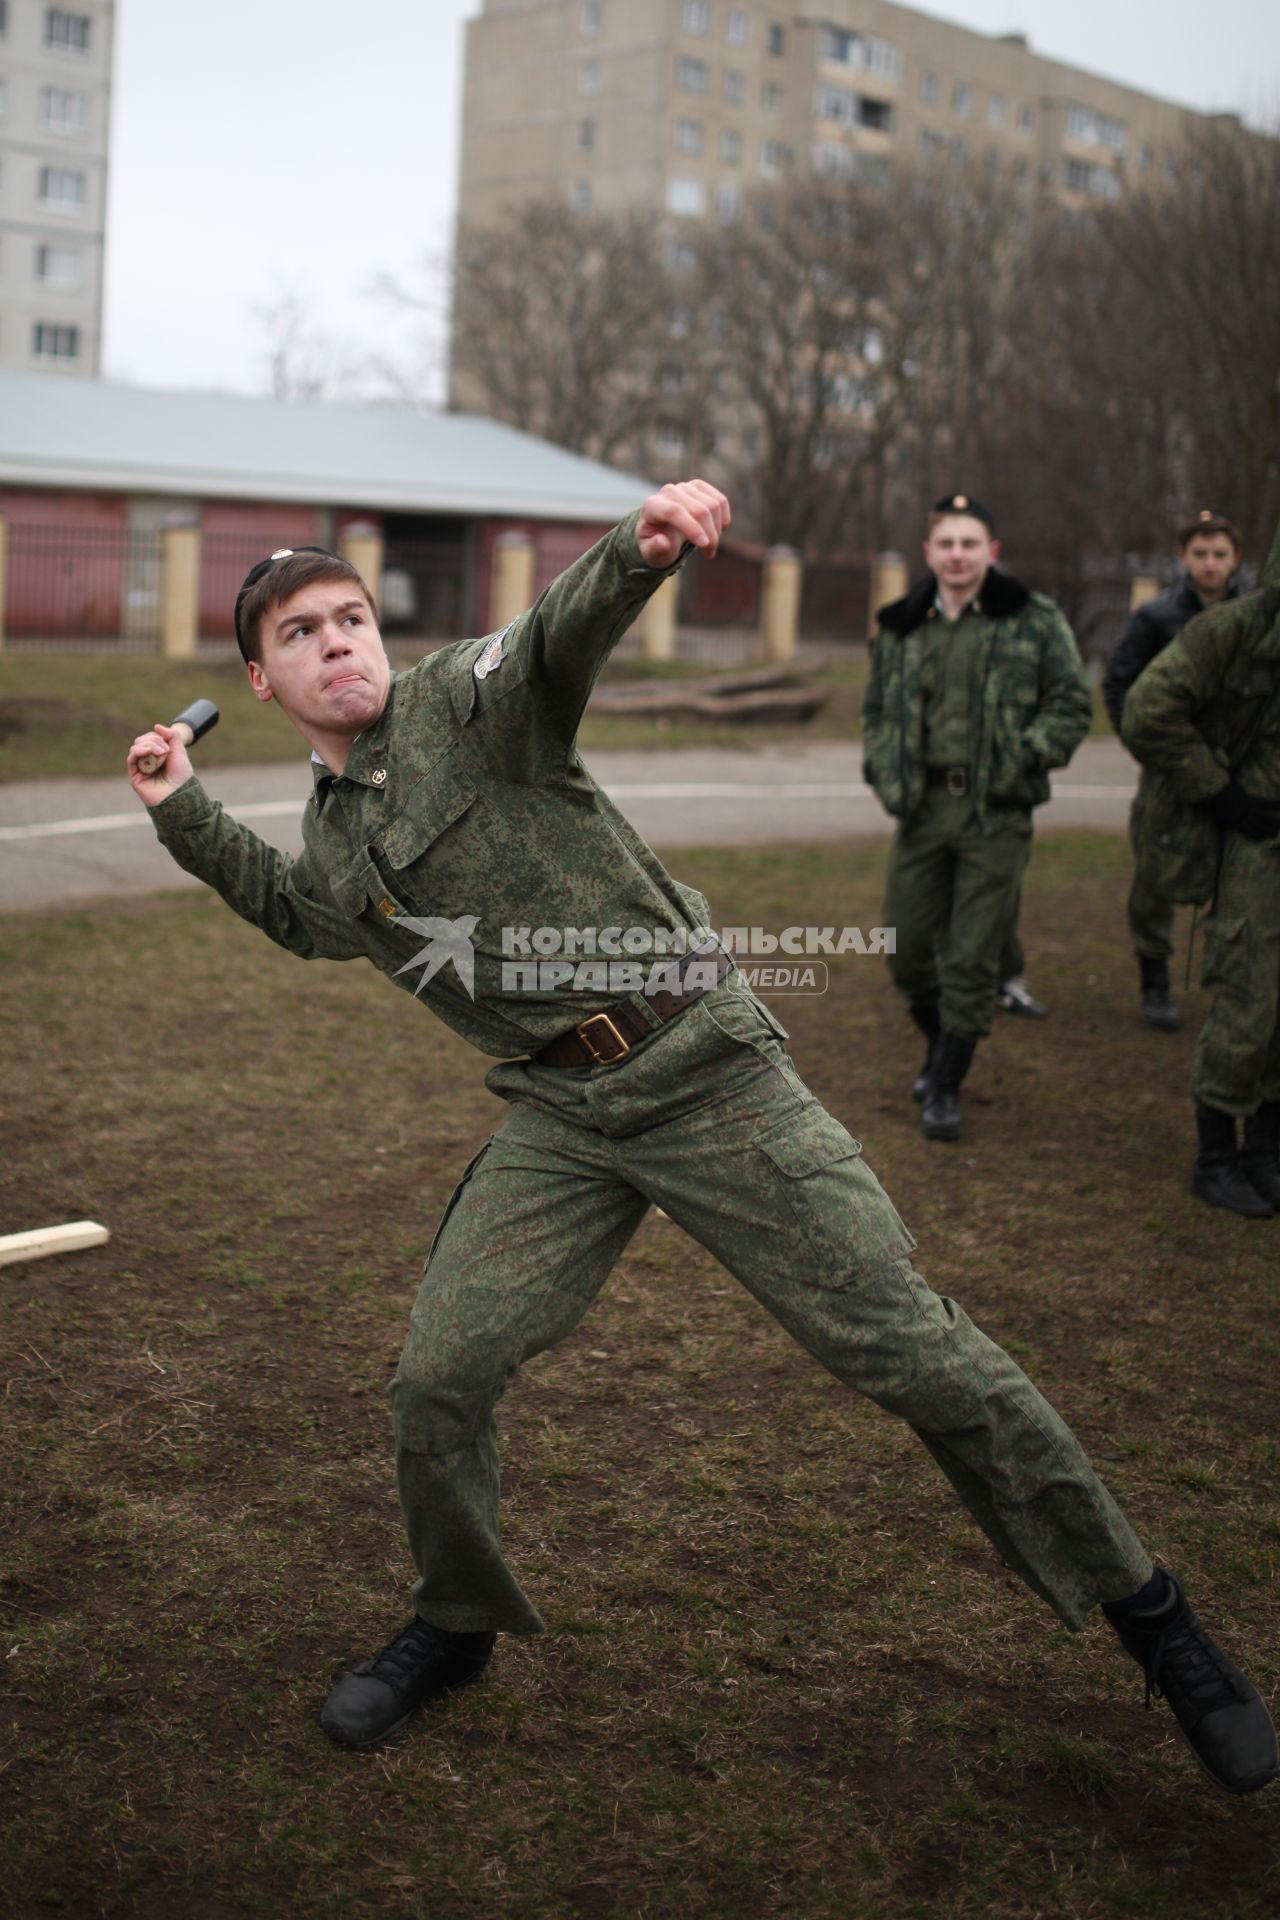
(511, 580)
(780, 603)
(362, 547)
(179, 592)
(889, 582)
(1143, 587)
(657, 622)
(4, 574)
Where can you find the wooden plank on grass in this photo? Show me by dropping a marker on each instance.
(42, 1241)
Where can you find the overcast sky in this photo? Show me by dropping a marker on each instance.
(266, 149)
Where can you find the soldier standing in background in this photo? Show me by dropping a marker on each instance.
(1204, 719)
(976, 689)
(1209, 554)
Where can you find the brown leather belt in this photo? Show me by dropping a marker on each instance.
(610, 1035)
(954, 779)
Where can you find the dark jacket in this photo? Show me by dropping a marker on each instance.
(1148, 632)
(1032, 704)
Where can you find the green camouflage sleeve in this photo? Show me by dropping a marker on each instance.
(1160, 711)
(872, 714)
(551, 655)
(265, 887)
(1066, 704)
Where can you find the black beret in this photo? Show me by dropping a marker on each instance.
(965, 503)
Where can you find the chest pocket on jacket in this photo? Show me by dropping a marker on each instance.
(433, 807)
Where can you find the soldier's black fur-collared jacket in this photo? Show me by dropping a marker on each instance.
(1032, 705)
(1147, 632)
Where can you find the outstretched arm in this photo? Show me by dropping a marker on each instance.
(558, 647)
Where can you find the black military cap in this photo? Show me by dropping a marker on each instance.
(255, 574)
(965, 503)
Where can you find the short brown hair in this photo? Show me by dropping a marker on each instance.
(1204, 526)
(281, 580)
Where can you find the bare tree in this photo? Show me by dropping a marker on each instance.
(561, 322)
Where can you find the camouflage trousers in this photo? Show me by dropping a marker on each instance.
(952, 894)
(709, 1120)
(1150, 914)
(1237, 1060)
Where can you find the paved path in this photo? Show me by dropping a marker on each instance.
(65, 841)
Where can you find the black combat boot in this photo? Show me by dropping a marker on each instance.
(1260, 1154)
(1155, 1006)
(926, 1018)
(381, 1694)
(1221, 1714)
(940, 1118)
(1217, 1175)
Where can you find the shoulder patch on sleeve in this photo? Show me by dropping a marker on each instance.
(490, 655)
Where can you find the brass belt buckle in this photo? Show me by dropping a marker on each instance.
(957, 782)
(602, 1059)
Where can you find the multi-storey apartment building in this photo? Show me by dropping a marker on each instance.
(686, 104)
(55, 104)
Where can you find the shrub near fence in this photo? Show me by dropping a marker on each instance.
(75, 584)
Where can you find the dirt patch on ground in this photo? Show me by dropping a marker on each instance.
(782, 1673)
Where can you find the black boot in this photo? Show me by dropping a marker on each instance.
(926, 1018)
(1217, 1175)
(1156, 1007)
(1221, 1714)
(1260, 1154)
(940, 1118)
(381, 1694)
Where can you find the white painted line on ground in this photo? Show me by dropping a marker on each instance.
(659, 790)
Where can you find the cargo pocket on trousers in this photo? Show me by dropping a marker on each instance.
(845, 1215)
(454, 1198)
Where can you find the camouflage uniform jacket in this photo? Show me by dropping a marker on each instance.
(466, 802)
(1206, 711)
(1032, 705)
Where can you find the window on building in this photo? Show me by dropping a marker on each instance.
(681, 320)
(931, 143)
(62, 110)
(833, 161)
(883, 57)
(852, 109)
(686, 196)
(876, 114)
(730, 146)
(672, 443)
(775, 40)
(682, 255)
(737, 29)
(1026, 119)
(991, 161)
(772, 156)
(586, 135)
(688, 136)
(995, 111)
(580, 200)
(959, 150)
(1021, 168)
(694, 75)
(696, 16)
(55, 343)
(69, 31)
(590, 16)
(1145, 158)
(589, 76)
(58, 266)
(735, 87)
(60, 187)
(1083, 176)
(672, 379)
(728, 203)
(1095, 129)
(929, 89)
(846, 49)
(771, 96)
(961, 97)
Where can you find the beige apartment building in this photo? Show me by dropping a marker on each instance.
(55, 110)
(687, 104)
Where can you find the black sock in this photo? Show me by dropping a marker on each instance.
(1148, 1599)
